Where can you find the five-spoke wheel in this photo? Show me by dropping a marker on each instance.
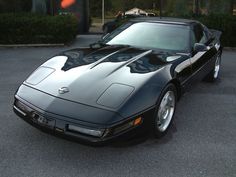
(165, 110)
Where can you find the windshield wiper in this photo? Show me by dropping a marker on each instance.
(121, 45)
(98, 45)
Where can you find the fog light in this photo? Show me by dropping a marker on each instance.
(86, 131)
(18, 110)
(20, 105)
(21, 108)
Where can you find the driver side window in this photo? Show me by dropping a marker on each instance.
(199, 34)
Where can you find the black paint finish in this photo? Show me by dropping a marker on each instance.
(108, 86)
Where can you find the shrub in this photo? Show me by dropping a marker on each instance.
(27, 28)
(224, 23)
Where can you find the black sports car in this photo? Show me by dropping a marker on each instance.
(133, 76)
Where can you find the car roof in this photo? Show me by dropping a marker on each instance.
(168, 20)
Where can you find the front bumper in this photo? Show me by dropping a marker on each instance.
(56, 125)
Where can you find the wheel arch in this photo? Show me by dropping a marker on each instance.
(177, 85)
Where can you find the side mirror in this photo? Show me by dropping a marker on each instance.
(198, 47)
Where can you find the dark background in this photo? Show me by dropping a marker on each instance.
(113, 6)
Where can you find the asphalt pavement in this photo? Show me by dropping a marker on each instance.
(201, 142)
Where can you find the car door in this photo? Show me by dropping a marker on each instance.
(201, 61)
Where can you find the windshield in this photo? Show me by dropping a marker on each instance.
(152, 35)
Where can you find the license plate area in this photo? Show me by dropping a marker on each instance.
(42, 121)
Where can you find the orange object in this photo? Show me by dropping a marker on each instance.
(67, 3)
(138, 121)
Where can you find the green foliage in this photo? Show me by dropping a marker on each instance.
(224, 23)
(27, 28)
(220, 6)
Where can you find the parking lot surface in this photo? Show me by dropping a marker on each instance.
(201, 142)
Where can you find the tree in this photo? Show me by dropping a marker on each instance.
(96, 7)
(196, 7)
(220, 6)
(178, 7)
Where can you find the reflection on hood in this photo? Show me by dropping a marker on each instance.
(109, 54)
(146, 64)
(126, 56)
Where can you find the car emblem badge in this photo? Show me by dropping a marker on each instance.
(63, 90)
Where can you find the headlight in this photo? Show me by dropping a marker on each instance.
(86, 131)
(40, 74)
(121, 92)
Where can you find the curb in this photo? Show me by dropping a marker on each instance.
(229, 49)
(89, 35)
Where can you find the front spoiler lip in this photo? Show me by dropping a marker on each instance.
(58, 127)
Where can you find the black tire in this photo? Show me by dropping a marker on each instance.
(214, 74)
(158, 130)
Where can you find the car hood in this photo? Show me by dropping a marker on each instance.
(102, 78)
